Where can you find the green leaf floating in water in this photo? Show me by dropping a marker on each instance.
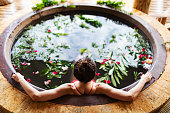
(83, 50)
(60, 34)
(92, 22)
(58, 76)
(122, 71)
(118, 74)
(50, 76)
(111, 71)
(44, 72)
(117, 79)
(113, 81)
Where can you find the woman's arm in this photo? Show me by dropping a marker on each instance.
(43, 95)
(120, 94)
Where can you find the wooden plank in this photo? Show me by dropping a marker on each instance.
(48, 107)
(123, 107)
(14, 100)
(143, 103)
(92, 109)
(164, 84)
(136, 108)
(23, 106)
(155, 101)
(69, 109)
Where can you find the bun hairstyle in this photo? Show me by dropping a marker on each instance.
(84, 69)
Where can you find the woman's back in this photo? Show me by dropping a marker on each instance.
(83, 88)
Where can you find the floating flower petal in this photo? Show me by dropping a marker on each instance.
(143, 49)
(143, 62)
(28, 51)
(108, 81)
(118, 63)
(49, 31)
(24, 64)
(135, 27)
(148, 61)
(150, 57)
(47, 82)
(28, 80)
(97, 74)
(64, 68)
(104, 60)
(37, 72)
(55, 72)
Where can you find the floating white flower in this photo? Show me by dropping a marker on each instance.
(64, 68)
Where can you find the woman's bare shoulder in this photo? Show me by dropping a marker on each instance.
(102, 88)
(71, 88)
(67, 86)
(100, 85)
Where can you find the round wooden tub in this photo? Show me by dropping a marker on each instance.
(151, 99)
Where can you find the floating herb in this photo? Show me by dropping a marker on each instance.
(84, 26)
(60, 34)
(94, 45)
(137, 75)
(92, 22)
(83, 50)
(113, 39)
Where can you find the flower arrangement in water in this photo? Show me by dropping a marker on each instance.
(55, 68)
(50, 42)
(113, 71)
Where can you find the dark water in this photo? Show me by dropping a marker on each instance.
(65, 38)
(38, 80)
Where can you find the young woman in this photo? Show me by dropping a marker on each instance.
(84, 71)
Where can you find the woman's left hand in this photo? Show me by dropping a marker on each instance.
(17, 77)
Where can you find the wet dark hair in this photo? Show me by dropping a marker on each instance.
(84, 69)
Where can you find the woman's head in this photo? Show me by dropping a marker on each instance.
(84, 69)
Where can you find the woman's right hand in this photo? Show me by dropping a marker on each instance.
(147, 77)
(17, 77)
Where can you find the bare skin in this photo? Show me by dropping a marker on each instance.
(84, 88)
